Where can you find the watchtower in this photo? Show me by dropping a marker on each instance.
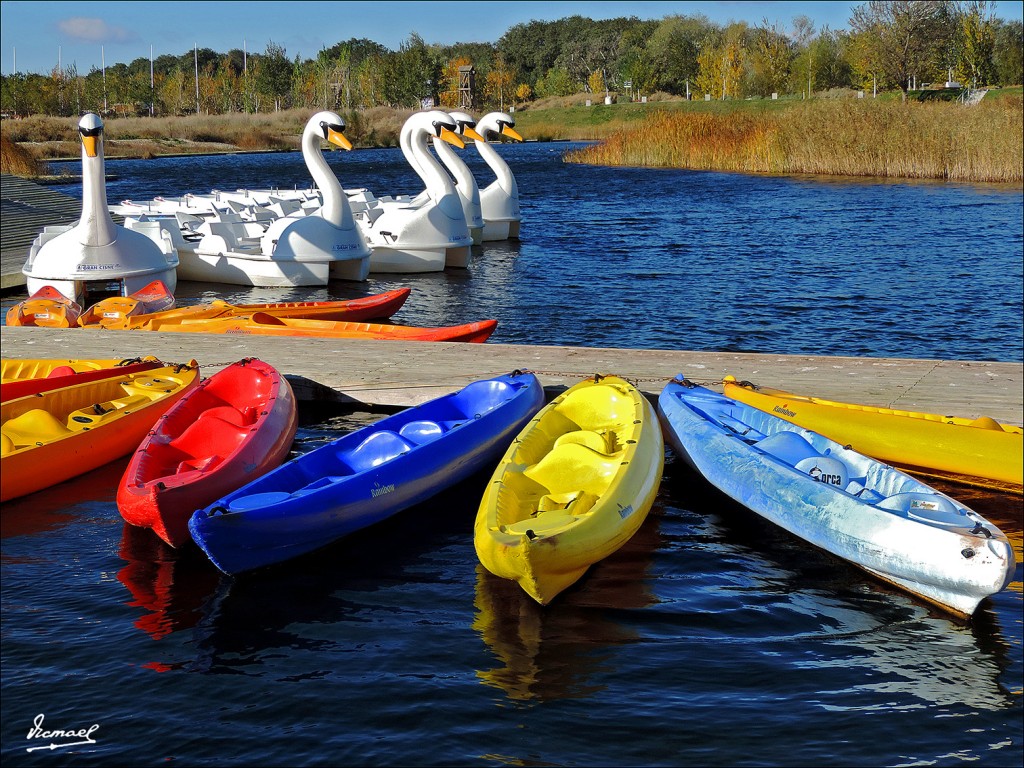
(467, 83)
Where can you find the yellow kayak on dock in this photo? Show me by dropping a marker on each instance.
(979, 451)
(573, 487)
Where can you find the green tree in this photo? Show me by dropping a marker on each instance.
(672, 51)
(274, 76)
(1008, 53)
(976, 65)
(556, 82)
(770, 59)
(804, 63)
(902, 39)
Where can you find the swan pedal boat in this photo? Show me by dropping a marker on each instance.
(44, 375)
(855, 507)
(46, 308)
(54, 436)
(972, 451)
(155, 297)
(367, 475)
(230, 429)
(96, 253)
(574, 486)
(260, 324)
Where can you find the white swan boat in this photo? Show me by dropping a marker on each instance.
(465, 182)
(407, 236)
(96, 256)
(291, 247)
(499, 201)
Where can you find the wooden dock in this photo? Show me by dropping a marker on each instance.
(398, 374)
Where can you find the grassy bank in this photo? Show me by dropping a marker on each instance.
(842, 137)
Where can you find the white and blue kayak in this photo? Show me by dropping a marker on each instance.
(367, 475)
(855, 507)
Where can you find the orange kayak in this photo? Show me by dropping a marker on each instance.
(115, 310)
(54, 436)
(365, 308)
(261, 324)
(46, 308)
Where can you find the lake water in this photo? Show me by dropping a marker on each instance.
(711, 638)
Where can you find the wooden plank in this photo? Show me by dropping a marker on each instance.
(396, 373)
(26, 208)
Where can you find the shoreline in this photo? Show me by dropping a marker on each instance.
(823, 137)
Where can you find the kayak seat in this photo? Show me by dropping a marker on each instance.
(825, 469)
(226, 413)
(571, 468)
(420, 432)
(481, 396)
(857, 488)
(576, 503)
(589, 438)
(31, 427)
(378, 448)
(596, 407)
(787, 446)
(204, 464)
(209, 436)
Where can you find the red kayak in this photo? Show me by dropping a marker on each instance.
(235, 426)
(366, 308)
(66, 375)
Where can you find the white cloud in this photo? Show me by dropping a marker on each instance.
(93, 30)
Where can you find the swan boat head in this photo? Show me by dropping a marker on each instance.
(465, 183)
(498, 125)
(465, 125)
(331, 234)
(97, 256)
(499, 200)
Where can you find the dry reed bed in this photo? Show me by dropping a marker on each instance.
(853, 138)
(57, 137)
(16, 160)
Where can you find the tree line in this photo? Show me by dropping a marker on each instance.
(890, 44)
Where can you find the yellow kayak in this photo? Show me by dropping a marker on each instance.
(60, 434)
(573, 487)
(975, 451)
(25, 368)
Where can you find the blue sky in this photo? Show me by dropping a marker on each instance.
(33, 34)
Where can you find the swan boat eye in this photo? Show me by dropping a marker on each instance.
(439, 126)
(90, 132)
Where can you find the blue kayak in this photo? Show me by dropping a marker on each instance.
(860, 509)
(367, 475)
